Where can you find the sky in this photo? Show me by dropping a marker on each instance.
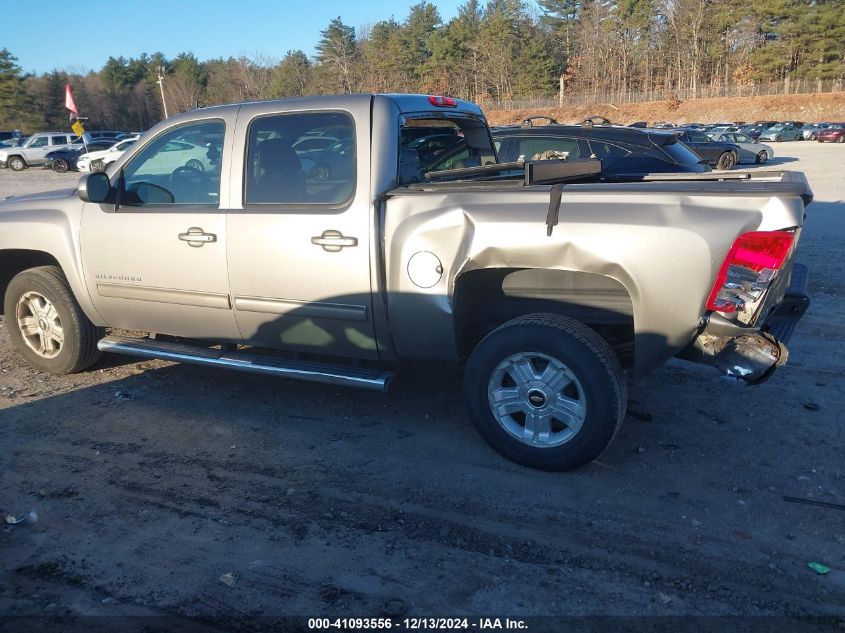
(208, 29)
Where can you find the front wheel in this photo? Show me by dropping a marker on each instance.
(813, 137)
(46, 324)
(17, 163)
(726, 161)
(841, 139)
(195, 164)
(60, 165)
(545, 391)
(762, 157)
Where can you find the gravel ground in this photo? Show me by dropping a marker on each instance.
(152, 480)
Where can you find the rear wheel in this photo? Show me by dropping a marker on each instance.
(841, 139)
(813, 137)
(60, 165)
(46, 324)
(97, 166)
(16, 163)
(545, 391)
(726, 161)
(762, 157)
(195, 164)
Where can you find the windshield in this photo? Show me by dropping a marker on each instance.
(779, 126)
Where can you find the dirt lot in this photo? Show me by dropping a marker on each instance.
(804, 107)
(152, 480)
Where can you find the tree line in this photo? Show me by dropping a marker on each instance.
(489, 53)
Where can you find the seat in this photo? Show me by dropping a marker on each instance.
(280, 176)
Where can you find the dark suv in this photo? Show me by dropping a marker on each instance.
(624, 151)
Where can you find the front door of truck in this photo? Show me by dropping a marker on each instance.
(157, 262)
(299, 231)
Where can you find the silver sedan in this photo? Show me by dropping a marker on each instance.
(749, 150)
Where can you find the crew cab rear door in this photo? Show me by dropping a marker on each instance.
(299, 229)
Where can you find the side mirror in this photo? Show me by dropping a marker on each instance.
(94, 187)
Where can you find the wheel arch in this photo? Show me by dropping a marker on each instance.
(14, 261)
(485, 298)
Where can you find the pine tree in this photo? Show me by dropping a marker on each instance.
(336, 52)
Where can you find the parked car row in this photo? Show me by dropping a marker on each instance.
(770, 131)
(18, 152)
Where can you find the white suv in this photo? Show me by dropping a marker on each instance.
(34, 151)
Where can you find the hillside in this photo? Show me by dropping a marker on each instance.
(801, 107)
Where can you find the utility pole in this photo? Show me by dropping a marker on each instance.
(160, 72)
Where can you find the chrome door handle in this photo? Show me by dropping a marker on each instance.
(333, 241)
(196, 237)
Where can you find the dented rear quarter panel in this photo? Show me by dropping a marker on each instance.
(664, 242)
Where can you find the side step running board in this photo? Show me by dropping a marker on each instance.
(248, 361)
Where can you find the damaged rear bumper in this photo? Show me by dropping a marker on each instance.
(752, 354)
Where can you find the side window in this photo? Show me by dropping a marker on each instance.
(531, 147)
(39, 141)
(697, 137)
(169, 172)
(608, 153)
(286, 164)
(59, 140)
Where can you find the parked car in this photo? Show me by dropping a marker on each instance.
(810, 131)
(717, 130)
(330, 163)
(98, 134)
(749, 151)
(35, 150)
(638, 124)
(766, 124)
(10, 136)
(716, 153)
(62, 160)
(781, 132)
(99, 160)
(752, 131)
(662, 125)
(833, 134)
(622, 150)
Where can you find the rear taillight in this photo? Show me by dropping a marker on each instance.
(750, 266)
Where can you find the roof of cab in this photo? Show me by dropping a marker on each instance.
(405, 102)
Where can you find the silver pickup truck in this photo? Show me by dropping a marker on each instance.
(323, 238)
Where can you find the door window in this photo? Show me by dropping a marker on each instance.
(608, 153)
(59, 140)
(300, 159)
(170, 172)
(39, 141)
(528, 148)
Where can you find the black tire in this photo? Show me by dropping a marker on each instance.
(762, 157)
(195, 164)
(97, 166)
(813, 137)
(584, 353)
(60, 165)
(726, 161)
(79, 348)
(16, 163)
(841, 139)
